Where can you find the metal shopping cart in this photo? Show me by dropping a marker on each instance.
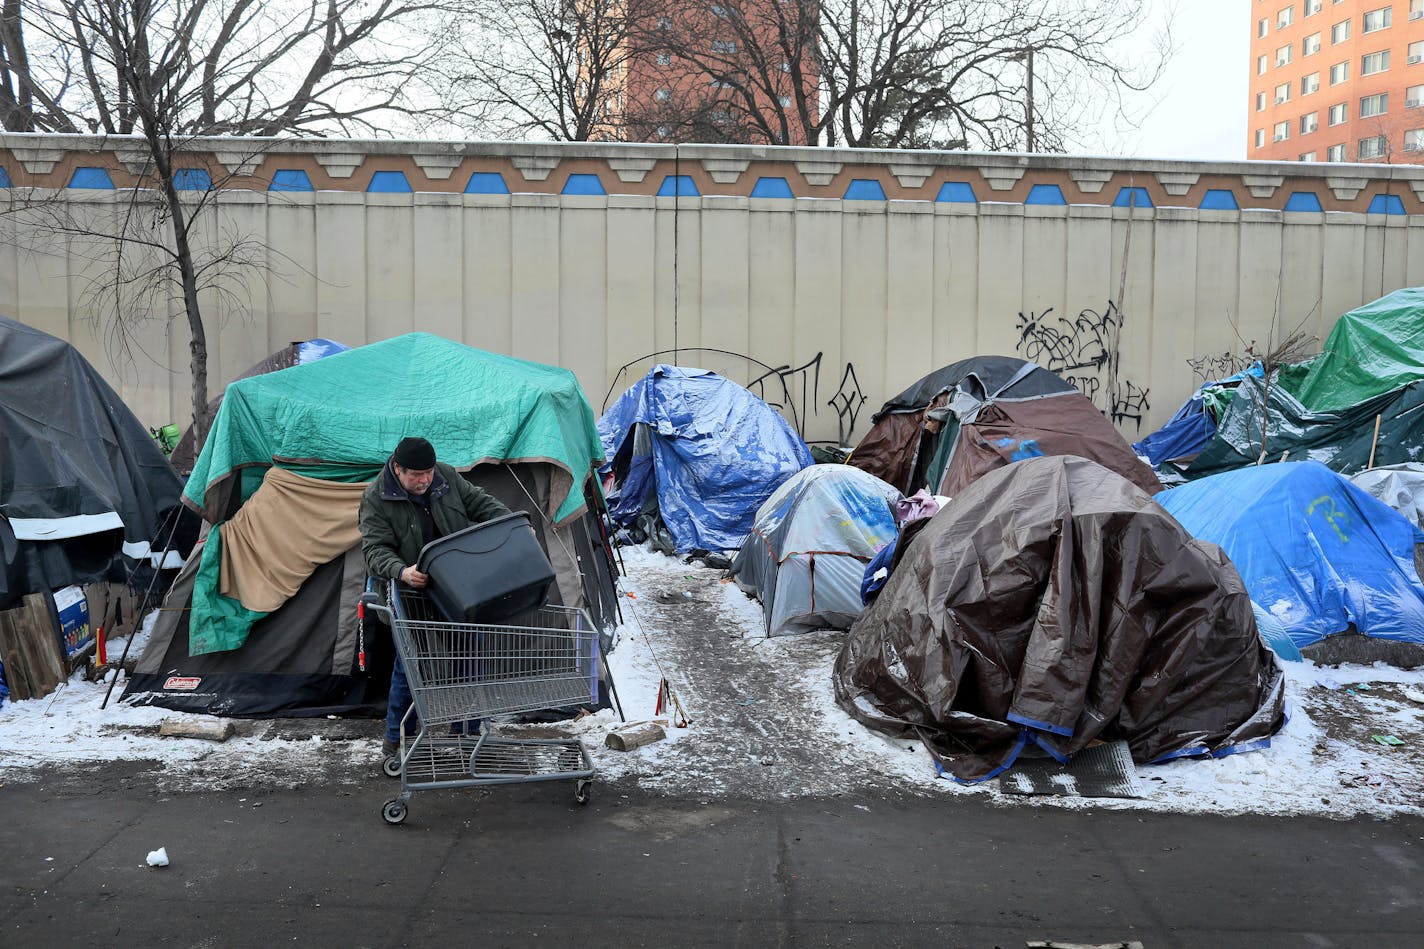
(544, 658)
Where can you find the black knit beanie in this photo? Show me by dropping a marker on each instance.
(417, 454)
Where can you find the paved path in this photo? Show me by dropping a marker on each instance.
(523, 866)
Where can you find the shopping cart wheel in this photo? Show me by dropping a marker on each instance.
(394, 812)
(583, 790)
(391, 767)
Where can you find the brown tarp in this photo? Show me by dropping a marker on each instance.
(1054, 602)
(290, 526)
(888, 450)
(1005, 432)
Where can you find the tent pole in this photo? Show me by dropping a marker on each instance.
(1374, 441)
(172, 526)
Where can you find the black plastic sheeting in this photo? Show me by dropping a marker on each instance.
(1340, 440)
(1053, 602)
(69, 446)
(991, 373)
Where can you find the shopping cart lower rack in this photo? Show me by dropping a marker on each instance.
(546, 658)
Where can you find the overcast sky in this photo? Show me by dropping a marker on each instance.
(1200, 110)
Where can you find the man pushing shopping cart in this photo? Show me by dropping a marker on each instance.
(464, 593)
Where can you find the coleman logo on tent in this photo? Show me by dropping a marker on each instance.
(184, 683)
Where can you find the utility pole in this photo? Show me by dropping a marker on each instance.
(1029, 107)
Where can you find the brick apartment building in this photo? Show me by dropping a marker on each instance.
(701, 68)
(1337, 80)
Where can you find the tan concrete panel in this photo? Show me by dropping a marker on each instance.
(863, 318)
(437, 256)
(1302, 269)
(389, 271)
(340, 275)
(1175, 270)
(1127, 399)
(291, 237)
(1218, 311)
(909, 292)
(534, 277)
(771, 286)
(583, 266)
(818, 312)
(724, 264)
(630, 297)
(488, 255)
(1001, 279)
(956, 290)
(1344, 280)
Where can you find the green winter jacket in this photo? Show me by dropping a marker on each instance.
(390, 521)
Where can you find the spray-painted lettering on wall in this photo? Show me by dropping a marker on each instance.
(794, 391)
(1086, 351)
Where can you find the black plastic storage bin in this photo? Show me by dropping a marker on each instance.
(488, 572)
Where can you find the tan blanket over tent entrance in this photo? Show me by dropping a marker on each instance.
(290, 526)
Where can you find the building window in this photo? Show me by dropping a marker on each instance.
(724, 46)
(664, 59)
(1335, 152)
(1377, 20)
(1373, 147)
(784, 101)
(1339, 114)
(1371, 106)
(664, 23)
(665, 130)
(1416, 9)
(1309, 84)
(1414, 140)
(1260, 102)
(1281, 132)
(1261, 27)
(1340, 32)
(1416, 53)
(1283, 55)
(719, 11)
(721, 84)
(1310, 45)
(1261, 65)
(1414, 97)
(1284, 19)
(1308, 156)
(1371, 63)
(663, 95)
(785, 66)
(1312, 7)
(1339, 73)
(1309, 122)
(1283, 93)
(1260, 138)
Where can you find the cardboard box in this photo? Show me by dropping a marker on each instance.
(74, 630)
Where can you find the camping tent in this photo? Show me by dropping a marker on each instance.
(910, 437)
(1373, 349)
(699, 448)
(295, 446)
(1399, 486)
(1188, 431)
(1314, 550)
(1056, 603)
(293, 354)
(806, 554)
(82, 484)
(982, 413)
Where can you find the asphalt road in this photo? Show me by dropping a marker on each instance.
(525, 865)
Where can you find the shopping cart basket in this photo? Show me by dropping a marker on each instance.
(545, 658)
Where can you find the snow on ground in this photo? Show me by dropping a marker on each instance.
(764, 725)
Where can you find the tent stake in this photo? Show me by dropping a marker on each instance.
(1374, 441)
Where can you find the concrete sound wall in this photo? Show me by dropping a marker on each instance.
(829, 280)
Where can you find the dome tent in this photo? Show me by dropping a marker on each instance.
(1054, 602)
(806, 554)
(299, 444)
(84, 490)
(701, 450)
(1315, 551)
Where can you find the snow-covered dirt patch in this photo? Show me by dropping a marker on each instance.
(764, 725)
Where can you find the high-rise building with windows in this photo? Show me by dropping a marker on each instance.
(1336, 80)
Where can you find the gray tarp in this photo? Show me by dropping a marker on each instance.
(1054, 602)
(1399, 486)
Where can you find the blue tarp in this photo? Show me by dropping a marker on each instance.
(715, 452)
(1187, 432)
(1315, 551)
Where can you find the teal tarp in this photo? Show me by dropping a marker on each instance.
(1373, 349)
(352, 409)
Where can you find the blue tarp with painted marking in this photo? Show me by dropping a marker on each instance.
(713, 453)
(1314, 550)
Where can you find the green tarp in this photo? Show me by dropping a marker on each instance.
(340, 418)
(350, 410)
(1374, 349)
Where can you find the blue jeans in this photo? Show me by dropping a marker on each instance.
(398, 700)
